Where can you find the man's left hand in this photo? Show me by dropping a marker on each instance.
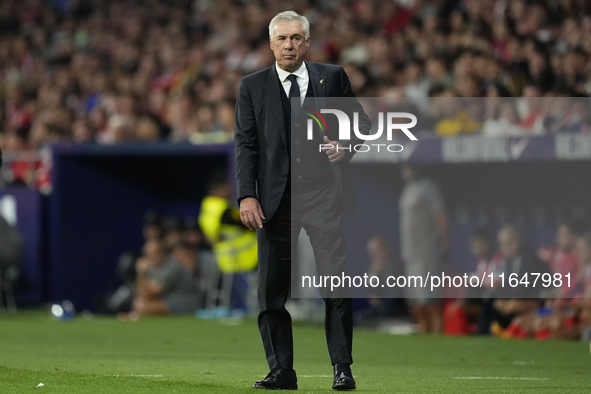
(336, 153)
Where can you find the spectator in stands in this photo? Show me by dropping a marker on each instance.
(164, 285)
(569, 318)
(82, 132)
(583, 251)
(457, 119)
(562, 258)
(20, 171)
(146, 130)
(416, 84)
(225, 116)
(193, 237)
(504, 123)
(540, 73)
(471, 315)
(423, 239)
(182, 117)
(497, 90)
(531, 111)
(192, 234)
(44, 134)
(152, 229)
(121, 300)
(382, 265)
(437, 73)
(189, 256)
(517, 259)
(119, 130)
(172, 231)
(186, 254)
(204, 257)
(562, 115)
(582, 301)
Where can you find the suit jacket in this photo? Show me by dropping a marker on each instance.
(261, 139)
(527, 262)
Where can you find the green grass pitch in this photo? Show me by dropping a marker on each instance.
(188, 355)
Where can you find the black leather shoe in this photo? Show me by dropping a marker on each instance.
(343, 378)
(278, 379)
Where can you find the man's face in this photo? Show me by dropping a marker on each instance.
(565, 239)
(509, 243)
(154, 251)
(377, 249)
(289, 45)
(480, 247)
(583, 249)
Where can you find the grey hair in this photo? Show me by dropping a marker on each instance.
(289, 16)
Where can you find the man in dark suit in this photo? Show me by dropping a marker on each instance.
(520, 262)
(277, 198)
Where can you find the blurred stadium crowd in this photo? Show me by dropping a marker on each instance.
(120, 71)
(127, 71)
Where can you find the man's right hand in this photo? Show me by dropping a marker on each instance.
(251, 213)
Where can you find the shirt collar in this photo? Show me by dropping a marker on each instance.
(300, 72)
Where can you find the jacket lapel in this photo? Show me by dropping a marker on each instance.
(318, 84)
(273, 100)
(319, 88)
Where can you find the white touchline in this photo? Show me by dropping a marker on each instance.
(524, 362)
(146, 376)
(497, 377)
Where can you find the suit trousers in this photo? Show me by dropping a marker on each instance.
(320, 213)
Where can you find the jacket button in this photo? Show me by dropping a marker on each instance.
(285, 176)
(297, 142)
(298, 160)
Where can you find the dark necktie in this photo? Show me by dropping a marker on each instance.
(294, 91)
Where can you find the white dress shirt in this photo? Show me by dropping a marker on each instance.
(302, 77)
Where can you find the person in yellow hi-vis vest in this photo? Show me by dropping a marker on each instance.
(235, 247)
